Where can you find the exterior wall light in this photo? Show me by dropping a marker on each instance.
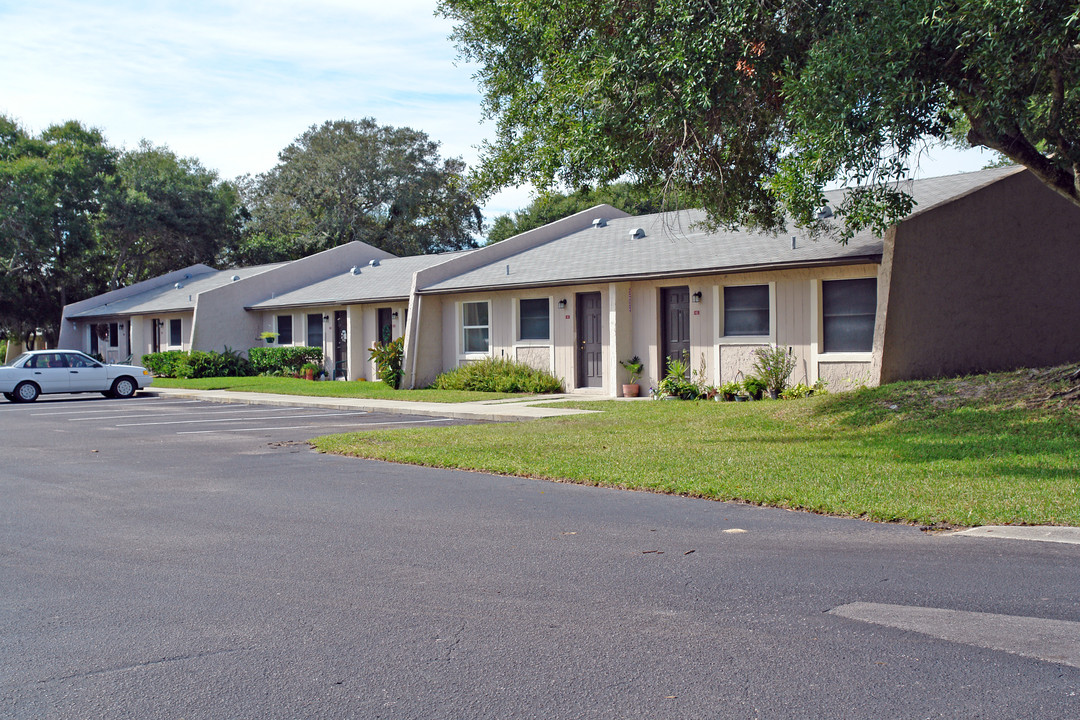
(562, 304)
(696, 296)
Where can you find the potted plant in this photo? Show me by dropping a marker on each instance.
(268, 337)
(754, 387)
(729, 390)
(309, 370)
(773, 366)
(633, 366)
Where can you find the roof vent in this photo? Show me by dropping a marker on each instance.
(637, 233)
(355, 270)
(373, 262)
(235, 278)
(178, 285)
(823, 212)
(187, 275)
(599, 223)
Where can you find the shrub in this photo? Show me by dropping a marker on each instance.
(285, 360)
(498, 375)
(163, 364)
(676, 384)
(773, 365)
(203, 364)
(387, 357)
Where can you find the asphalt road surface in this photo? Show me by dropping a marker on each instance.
(152, 567)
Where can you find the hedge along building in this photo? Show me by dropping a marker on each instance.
(197, 308)
(359, 306)
(981, 276)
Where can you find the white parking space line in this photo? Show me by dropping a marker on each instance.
(206, 411)
(308, 427)
(1056, 641)
(111, 409)
(237, 419)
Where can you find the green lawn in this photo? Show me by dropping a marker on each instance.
(973, 451)
(355, 389)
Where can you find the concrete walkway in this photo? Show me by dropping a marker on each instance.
(504, 410)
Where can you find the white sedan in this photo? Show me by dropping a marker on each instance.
(40, 372)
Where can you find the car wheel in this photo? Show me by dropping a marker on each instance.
(26, 392)
(123, 387)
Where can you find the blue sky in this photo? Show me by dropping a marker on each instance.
(232, 82)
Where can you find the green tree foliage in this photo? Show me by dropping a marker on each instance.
(749, 108)
(51, 196)
(356, 180)
(165, 212)
(550, 207)
(78, 217)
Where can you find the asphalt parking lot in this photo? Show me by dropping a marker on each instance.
(148, 415)
(174, 558)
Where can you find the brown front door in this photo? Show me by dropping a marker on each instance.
(590, 340)
(341, 344)
(675, 325)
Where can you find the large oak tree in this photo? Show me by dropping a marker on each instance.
(750, 107)
(357, 180)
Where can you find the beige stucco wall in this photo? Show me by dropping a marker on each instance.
(631, 312)
(220, 317)
(362, 327)
(988, 282)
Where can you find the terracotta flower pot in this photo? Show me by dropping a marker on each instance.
(631, 390)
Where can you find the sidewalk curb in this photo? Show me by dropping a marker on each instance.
(503, 412)
(1037, 533)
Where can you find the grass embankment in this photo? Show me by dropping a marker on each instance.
(356, 389)
(982, 450)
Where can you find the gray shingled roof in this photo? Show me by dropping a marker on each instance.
(391, 279)
(168, 298)
(672, 245)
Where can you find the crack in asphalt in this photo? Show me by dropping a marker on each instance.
(148, 663)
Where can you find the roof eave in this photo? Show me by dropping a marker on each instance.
(873, 258)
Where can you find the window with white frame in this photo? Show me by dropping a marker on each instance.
(176, 336)
(284, 329)
(534, 319)
(475, 326)
(848, 308)
(746, 311)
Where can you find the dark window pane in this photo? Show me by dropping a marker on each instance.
(284, 329)
(314, 330)
(848, 310)
(114, 334)
(535, 319)
(174, 332)
(476, 340)
(746, 310)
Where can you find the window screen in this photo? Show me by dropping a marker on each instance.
(284, 329)
(848, 310)
(474, 321)
(535, 319)
(746, 310)
(314, 330)
(175, 334)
